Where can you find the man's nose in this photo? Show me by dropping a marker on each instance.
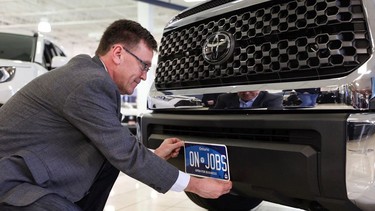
(144, 75)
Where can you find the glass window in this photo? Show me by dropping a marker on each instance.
(16, 47)
(59, 51)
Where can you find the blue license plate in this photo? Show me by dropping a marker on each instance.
(207, 160)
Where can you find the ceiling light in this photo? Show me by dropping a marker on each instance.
(193, 0)
(44, 25)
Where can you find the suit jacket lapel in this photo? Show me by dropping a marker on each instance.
(259, 100)
(99, 62)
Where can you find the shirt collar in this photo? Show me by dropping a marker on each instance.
(247, 104)
(103, 65)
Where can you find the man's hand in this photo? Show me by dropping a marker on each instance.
(208, 187)
(169, 148)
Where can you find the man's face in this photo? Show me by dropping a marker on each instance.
(132, 69)
(248, 95)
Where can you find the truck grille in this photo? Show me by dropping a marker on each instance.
(288, 41)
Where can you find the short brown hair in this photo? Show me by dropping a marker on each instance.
(125, 31)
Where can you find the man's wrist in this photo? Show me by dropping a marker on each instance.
(182, 182)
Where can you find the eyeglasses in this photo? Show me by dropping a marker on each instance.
(145, 66)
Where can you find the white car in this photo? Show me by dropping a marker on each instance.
(23, 58)
(173, 101)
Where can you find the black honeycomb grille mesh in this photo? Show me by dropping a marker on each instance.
(288, 41)
(202, 7)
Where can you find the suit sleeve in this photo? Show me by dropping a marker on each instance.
(274, 102)
(93, 109)
(220, 103)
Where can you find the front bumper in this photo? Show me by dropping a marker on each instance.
(297, 159)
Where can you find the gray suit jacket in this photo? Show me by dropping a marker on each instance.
(56, 132)
(263, 100)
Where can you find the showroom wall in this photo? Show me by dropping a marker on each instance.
(76, 26)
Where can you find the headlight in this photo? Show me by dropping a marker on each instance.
(6, 73)
(360, 160)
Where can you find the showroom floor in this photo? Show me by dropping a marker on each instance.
(131, 195)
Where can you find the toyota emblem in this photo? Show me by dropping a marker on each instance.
(218, 47)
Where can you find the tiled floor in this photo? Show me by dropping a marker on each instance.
(131, 195)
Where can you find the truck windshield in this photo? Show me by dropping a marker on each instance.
(16, 47)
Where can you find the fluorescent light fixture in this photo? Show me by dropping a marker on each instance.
(44, 25)
(193, 0)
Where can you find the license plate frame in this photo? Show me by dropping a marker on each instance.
(207, 160)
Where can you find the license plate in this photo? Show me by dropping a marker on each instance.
(207, 160)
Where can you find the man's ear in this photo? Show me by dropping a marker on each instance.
(116, 54)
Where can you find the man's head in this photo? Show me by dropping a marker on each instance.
(248, 95)
(127, 32)
(126, 48)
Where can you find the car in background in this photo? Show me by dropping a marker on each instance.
(315, 157)
(23, 58)
(173, 101)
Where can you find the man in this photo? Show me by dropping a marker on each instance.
(61, 140)
(249, 99)
(308, 96)
(209, 100)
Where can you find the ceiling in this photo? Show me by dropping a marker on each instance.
(77, 25)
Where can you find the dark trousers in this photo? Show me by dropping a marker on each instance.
(95, 200)
(98, 194)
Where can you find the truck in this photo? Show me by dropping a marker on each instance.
(317, 152)
(23, 57)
